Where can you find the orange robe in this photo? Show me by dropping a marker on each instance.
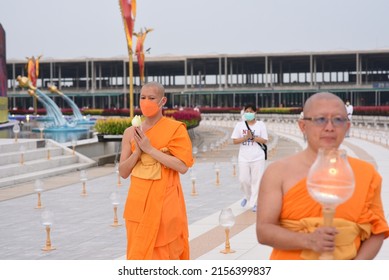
(155, 212)
(364, 207)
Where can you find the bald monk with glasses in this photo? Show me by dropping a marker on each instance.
(284, 199)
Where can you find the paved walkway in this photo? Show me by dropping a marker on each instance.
(82, 224)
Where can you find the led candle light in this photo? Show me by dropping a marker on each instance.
(115, 199)
(16, 130)
(227, 220)
(41, 127)
(47, 221)
(22, 150)
(330, 182)
(74, 144)
(193, 179)
(234, 161)
(119, 182)
(217, 170)
(38, 188)
(83, 178)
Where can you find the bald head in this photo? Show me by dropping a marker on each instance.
(159, 88)
(309, 104)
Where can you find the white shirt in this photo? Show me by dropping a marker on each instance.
(349, 109)
(249, 150)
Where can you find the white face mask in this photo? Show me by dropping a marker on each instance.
(248, 116)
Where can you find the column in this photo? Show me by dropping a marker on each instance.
(225, 72)
(266, 72)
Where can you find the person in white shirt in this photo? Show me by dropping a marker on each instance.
(251, 158)
(349, 109)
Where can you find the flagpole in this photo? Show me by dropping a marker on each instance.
(131, 91)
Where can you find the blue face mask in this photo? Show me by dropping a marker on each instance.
(249, 116)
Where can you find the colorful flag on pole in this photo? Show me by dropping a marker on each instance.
(139, 52)
(128, 9)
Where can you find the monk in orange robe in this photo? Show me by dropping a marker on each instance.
(290, 221)
(154, 154)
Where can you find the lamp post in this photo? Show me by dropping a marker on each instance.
(115, 199)
(227, 220)
(83, 179)
(47, 221)
(38, 188)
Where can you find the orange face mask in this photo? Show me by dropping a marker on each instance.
(149, 108)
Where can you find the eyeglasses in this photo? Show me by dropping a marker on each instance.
(323, 121)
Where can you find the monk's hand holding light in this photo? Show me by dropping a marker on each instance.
(322, 239)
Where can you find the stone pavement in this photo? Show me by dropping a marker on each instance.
(82, 224)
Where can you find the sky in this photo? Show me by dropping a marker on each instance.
(85, 28)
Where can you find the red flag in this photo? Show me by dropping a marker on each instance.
(141, 37)
(128, 9)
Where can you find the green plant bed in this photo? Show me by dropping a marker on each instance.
(117, 125)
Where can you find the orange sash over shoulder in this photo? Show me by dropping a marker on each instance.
(155, 211)
(356, 218)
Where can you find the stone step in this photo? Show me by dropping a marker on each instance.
(31, 176)
(29, 155)
(37, 161)
(10, 146)
(36, 165)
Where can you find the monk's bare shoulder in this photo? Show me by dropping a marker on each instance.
(128, 133)
(284, 164)
(287, 171)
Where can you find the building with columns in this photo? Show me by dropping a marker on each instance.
(215, 80)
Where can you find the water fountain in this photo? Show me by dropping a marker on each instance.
(79, 118)
(58, 129)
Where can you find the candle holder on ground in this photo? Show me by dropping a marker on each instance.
(234, 161)
(218, 145)
(47, 221)
(38, 188)
(115, 199)
(195, 151)
(227, 220)
(22, 150)
(193, 179)
(119, 182)
(41, 127)
(217, 171)
(204, 149)
(16, 130)
(83, 179)
(74, 144)
(330, 182)
(48, 147)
